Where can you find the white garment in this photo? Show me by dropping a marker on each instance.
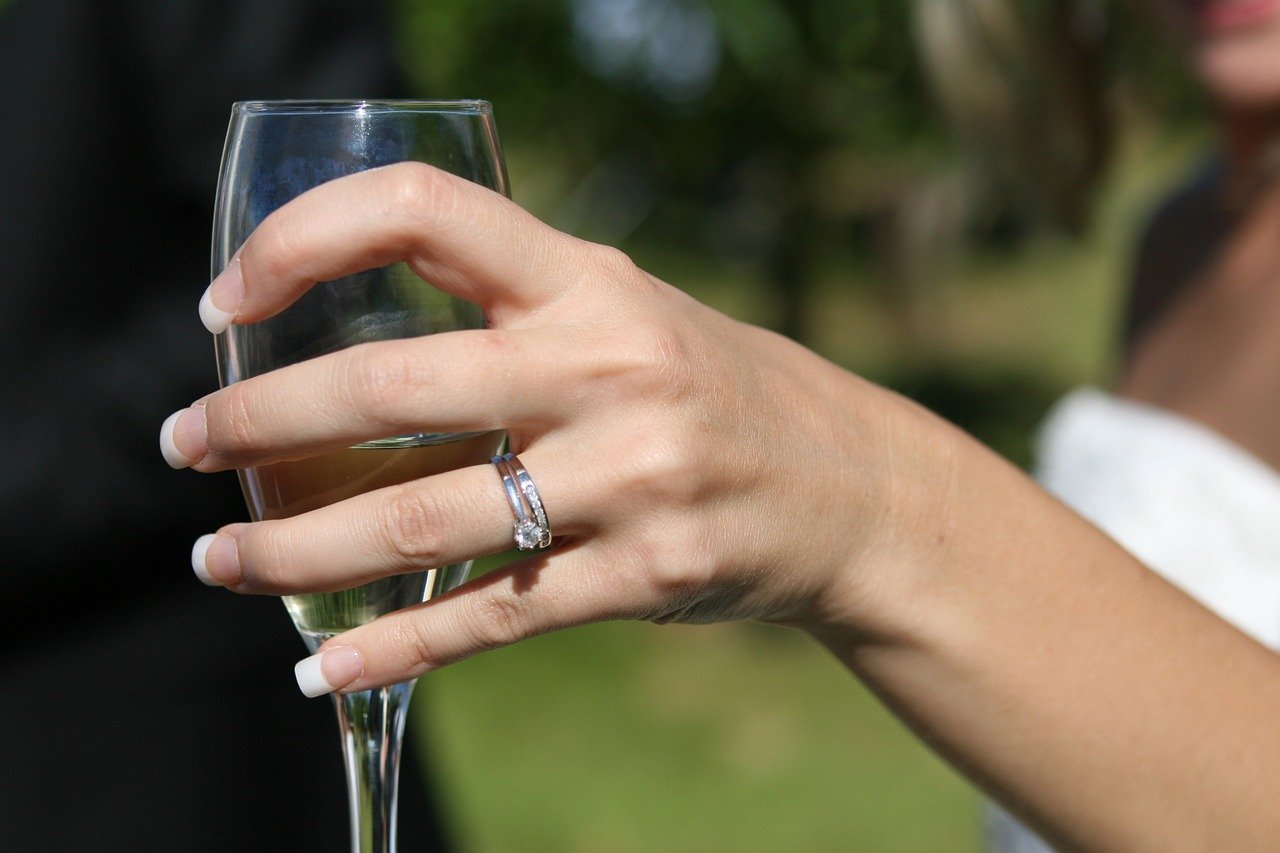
(1187, 502)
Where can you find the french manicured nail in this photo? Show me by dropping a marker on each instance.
(222, 298)
(183, 440)
(216, 560)
(329, 670)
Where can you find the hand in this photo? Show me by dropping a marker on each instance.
(697, 469)
(693, 468)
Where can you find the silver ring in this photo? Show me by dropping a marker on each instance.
(530, 532)
(531, 496)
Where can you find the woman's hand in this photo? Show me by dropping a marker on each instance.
(693, 468)
(698, 469)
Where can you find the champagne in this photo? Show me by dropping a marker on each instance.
(290, 488)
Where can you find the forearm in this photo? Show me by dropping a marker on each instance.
(1095, 699)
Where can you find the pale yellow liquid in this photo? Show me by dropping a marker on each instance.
(290, 488)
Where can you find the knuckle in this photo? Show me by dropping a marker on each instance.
(264, 558)
(663, 469)
(411, 528)
(656, 361)
(271, 251)
(235, 418)
(613, 263)
(676, 563)
(501, 620)
(381, 380)
(411, 645)
(416, 190)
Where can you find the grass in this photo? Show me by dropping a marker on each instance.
(632, 737)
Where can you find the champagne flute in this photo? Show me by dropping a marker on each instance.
(276, 150)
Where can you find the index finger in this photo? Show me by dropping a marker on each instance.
(462, 237)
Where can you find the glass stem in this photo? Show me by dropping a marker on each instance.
(372, 723)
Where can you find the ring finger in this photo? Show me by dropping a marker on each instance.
(420, 524)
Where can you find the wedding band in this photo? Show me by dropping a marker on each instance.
(530, 532)
(531, 496)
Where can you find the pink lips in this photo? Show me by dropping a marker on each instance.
(1220, 15)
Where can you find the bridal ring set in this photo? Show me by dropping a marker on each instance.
(532, 531)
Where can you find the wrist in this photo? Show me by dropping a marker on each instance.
(947, 522)
(907, 510)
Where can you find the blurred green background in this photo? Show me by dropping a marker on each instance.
(936, 194)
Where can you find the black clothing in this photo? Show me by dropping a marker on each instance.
(142, 710)
(1183, 237)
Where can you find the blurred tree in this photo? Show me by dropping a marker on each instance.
(1036, 89)
(759, 130)
(776, 133)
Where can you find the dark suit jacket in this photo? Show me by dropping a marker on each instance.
(141, 710)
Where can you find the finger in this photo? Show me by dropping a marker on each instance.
(570, 587)
(454, 382)
(458, 235)
(418, 525)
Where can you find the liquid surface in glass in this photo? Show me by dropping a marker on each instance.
(285, 489)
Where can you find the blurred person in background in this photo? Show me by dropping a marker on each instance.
(142, 713)
(1180, 462)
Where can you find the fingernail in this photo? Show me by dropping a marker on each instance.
(182, 437)
(222, 298)
(328, 670)
(216, 560)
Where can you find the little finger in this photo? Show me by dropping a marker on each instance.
(573, 586)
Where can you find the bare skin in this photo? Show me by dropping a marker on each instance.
(698, 469)
(1214, 355)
